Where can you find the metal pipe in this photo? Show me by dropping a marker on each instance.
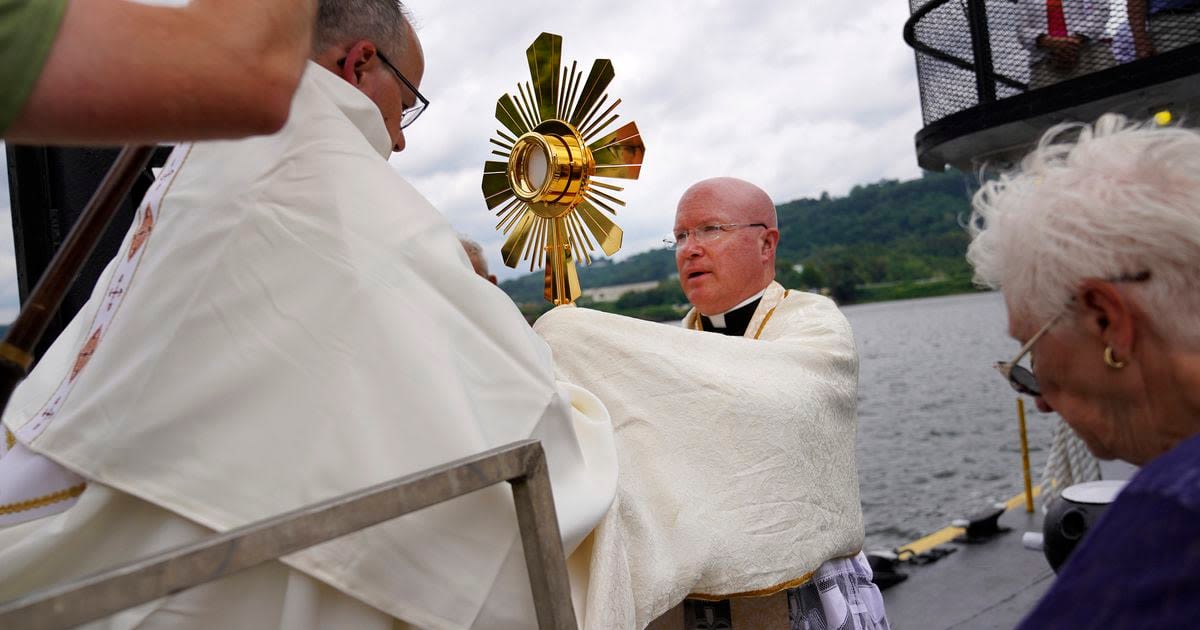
(981, 46)
(542, 543)
(1025, 457)
(523, 463)
(910, 38)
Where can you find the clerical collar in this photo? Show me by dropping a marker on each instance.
(734, 321)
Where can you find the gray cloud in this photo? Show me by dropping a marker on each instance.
(799, 98)
(9, 299)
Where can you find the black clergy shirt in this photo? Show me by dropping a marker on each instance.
(736, 320)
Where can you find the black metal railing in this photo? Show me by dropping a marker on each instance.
(994, 74)
(984, 73)
(975, 52)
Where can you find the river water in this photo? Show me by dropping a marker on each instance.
(938, 432)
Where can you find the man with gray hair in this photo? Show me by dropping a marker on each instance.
(287, 321)
(354, 40)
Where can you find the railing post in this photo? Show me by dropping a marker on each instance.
(981, 46)
(522, 463)
(542, 543)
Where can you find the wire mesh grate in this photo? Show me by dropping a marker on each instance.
(1030, 44)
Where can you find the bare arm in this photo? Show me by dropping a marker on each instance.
(1137, 11)
(126, 72)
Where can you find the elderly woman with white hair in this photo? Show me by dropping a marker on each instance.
(1095, 242)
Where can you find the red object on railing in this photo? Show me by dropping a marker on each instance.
(1056, 20)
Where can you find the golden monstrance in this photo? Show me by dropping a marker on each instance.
(545, 192)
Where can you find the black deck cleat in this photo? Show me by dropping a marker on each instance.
(884, 572)
(982, 527)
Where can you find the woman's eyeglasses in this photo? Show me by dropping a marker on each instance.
(1022, 379)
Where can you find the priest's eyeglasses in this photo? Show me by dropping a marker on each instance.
(410, 114)
(1021, 378)
(705, 233)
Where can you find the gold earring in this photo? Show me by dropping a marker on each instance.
(1110, 361)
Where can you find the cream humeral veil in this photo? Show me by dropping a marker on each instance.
(736, 455)
(302, 323)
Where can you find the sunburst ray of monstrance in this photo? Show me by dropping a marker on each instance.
(546, 192)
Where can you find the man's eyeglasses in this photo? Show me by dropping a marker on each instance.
(410, 114)
(705, 233)
(1022, 379)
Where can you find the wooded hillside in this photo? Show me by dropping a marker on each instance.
(881, 241)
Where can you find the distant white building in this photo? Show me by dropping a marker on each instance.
(612, 293)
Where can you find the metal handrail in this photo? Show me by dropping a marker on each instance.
(910, 38)
(522, 464)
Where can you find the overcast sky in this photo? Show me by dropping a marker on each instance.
(8, 266)
(797, 97)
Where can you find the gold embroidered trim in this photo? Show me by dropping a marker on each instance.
(43, 501)
(770, 313)
(10, 440)
(146, 202)
(770, 590)
(762, 592)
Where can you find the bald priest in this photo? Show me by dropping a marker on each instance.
(737, 500)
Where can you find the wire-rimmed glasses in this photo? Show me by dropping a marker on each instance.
(1021, 378)
(705, 233)
(410, 114)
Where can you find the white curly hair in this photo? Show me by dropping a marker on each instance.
(1108, 200)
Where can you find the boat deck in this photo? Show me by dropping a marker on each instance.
(985, 585)
(980, 586)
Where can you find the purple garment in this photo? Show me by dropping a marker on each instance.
(1139, 567)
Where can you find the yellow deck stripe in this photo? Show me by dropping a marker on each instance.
(940, 537)
(1019, 500)
(946, 534)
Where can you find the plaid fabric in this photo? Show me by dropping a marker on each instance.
(840, 596)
